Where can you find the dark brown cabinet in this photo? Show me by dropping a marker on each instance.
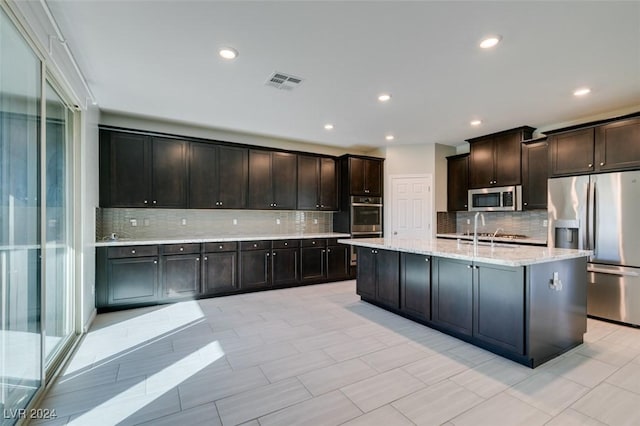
(495, 159)
(317, 183)
(365, 176)
(498, 306)
(618, 145)
(457, 182)
(313, 259)
(572, 152)
(535, 172)
(220, 265)
(218, 176)
(132, 275)
(180, 270)
(284, 258)
(141, 171)
(337, 261)
(255, 264)
(272, 180)
(415, 285)
(452, 295)
(379, 276)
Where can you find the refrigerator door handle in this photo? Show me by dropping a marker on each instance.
(590, 213)
(619, 272)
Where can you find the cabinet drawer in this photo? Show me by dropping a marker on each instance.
(320, 242)
(220, 247)
(279, 244)
(190, 248)
(255, 245)
(132, 251)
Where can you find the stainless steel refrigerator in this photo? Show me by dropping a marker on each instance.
(602, 213)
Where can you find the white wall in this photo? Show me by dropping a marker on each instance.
(88, 202)
(110, 118)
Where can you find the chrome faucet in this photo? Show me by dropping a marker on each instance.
(494, 235)
(475, 231)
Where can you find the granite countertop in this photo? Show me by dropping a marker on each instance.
(497, 239)
(185, 240)
(501, 254)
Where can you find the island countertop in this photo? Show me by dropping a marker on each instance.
(501, 254)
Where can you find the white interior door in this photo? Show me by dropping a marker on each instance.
(411, 206)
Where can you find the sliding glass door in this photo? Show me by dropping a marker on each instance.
(20, 279)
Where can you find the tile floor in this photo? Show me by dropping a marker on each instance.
(317, 355)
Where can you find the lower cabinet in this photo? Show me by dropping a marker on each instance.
(337, 261)
(415, 285)
(131, 273)
(180, 271)
(220, 266)
(379, 276)
(452, 295)
(284, 262)
(323, 260)
(255, 264)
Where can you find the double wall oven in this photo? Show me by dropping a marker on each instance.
(365, 219)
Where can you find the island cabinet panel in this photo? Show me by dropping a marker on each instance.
(572, 152)
(366, 281)
(498, 306)
(415, 285)
(379, 276)
(452, 295)
(618, 145)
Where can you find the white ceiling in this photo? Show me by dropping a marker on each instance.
(159, 59)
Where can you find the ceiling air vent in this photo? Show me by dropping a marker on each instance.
(283, 81)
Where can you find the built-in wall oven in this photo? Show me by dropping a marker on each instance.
(365, 219)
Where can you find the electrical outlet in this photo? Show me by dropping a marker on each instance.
(133, 222)
(468, 221)
(315, 221)
(545, 223)
(235, 221)
(277, 221)
(183, 221)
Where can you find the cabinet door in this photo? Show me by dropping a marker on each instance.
(481, 162)
(169, 173)
(284, 172)
(254, 269)
(328, 184)
(457, 183)
(260, 183)
(337, 262)
(220, 272)
(499, 303)
(571, 152)
(366, 276)
(415, 285)
(373, 177)
(233, 170)
(285, 266)
(507, 159)
(452, 295)
(128, 170)
(132, 280)
(618, 145)
(312, 263)
(534, 175)
(180, 275)
(388, 278)
(203, 176)
(356, 176)
(308, 183)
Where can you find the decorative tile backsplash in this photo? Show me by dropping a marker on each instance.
(177, 223)
(530, 223)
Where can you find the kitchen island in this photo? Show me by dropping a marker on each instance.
(526, 303)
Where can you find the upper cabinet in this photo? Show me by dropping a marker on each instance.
(142, 171)
(218, 176)
(495, 159)
(607, 147)
(365, 176)
(317, 183)
(534, 174)
(272, 180)
(457, 182)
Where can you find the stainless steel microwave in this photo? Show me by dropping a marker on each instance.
(498, 199)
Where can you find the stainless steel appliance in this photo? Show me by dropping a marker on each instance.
(498, 199)
(600, 213)
(366, 215)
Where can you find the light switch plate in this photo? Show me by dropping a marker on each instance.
(133, 222)
(235, 221)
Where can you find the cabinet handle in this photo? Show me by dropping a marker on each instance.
(286, 244)
(220, 247)
(323, 251)
(313, 242)
(526, 204)
(155, 262)
(426, 259)
(154, 201)
(220, 202)
(197, 259)
(181, 248)
(133, 251)
(274, 253)
(328, 250)
(146, 202)
(255, 245)
(465, 205)
(267, 254)
(590, 165)
(469, 266)
(317, 205)
(322, 205)
(206, 258)
(602, 164)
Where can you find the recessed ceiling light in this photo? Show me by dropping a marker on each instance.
(228, 53)
(475, 122)
(328, 126)
(582, 91)
(389, 137)
(490, 41)
(384, 97)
